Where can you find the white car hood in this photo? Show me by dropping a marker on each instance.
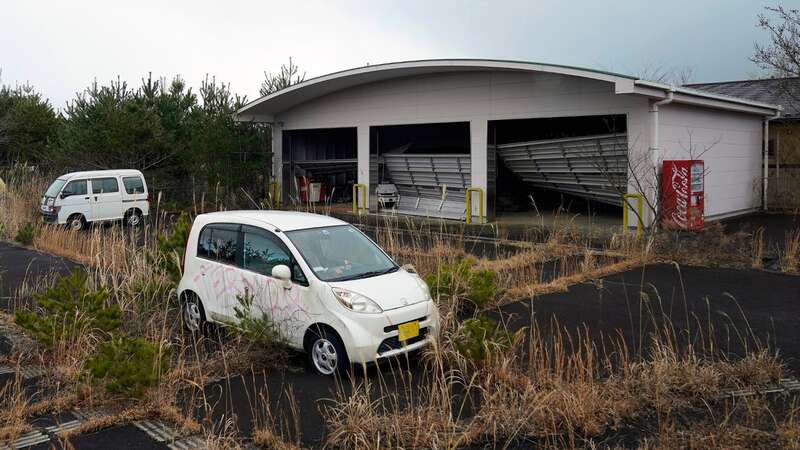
(390, 291)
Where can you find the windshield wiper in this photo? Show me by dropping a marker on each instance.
(371, 273)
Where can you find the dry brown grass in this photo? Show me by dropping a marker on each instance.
(790, 253)
(555, 391)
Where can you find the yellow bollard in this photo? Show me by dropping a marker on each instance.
(469, 204)
(639, 211)
(356, 206)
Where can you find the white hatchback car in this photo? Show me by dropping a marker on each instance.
(327, 287)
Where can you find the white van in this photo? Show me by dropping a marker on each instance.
(328, 289)
(78, 198)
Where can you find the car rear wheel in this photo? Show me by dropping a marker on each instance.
(326, 353)
(193, 315)
(133, 218)
(76, 222)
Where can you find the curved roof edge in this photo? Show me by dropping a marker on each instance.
(284, 99)
(328, 83)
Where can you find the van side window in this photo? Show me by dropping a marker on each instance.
(76, 187)
(219, 243)
(133, 185)
(104, 185)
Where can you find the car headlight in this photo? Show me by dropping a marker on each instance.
(50, 201)
(356, 302)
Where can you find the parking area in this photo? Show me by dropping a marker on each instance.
(741, 307)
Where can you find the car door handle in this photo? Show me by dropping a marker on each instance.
(86, 198)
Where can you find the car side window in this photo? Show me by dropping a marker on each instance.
(76, 187)
(219, 243)
(133, 185)
(104, 185)
(263, 251)
(204, 243)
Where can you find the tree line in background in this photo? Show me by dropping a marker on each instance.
(187, 143)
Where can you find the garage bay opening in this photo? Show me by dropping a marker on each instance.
(421, 169)
(319, 165)
(557, 169)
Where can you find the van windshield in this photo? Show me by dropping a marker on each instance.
(340, 253)
(55, 188)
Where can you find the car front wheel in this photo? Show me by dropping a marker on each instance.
(326, 353)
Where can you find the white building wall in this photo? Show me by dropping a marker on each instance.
(474, 97)
(730, 145)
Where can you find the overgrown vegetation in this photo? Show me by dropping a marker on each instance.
(26, 234)
(128, 365)
(462, 281)
(70, 308)
(170, 248)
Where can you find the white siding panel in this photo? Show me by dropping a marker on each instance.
(462, 96)
(730, 145)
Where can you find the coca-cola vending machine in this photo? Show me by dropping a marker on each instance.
(682, 203)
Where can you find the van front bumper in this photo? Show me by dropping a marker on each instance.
(49, 217)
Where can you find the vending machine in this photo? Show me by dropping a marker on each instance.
(682, 203)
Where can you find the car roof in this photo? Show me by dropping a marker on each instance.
(100, 173)
(283, 220)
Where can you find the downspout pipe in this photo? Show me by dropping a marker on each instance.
(765, 159)
(655, 151)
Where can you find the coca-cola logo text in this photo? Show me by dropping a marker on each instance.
(680, 186)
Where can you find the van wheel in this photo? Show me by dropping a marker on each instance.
(133, 218)
(76, 222)
(192, 314)
(326, 352)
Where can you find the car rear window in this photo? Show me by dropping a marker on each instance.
(104, 185)
(219, 243)
(133, 185)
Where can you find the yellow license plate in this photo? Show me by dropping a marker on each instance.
(408, 330)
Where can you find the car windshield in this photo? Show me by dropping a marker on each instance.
(54, 188)
(340, 253)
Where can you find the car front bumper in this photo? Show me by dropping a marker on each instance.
(375, 340)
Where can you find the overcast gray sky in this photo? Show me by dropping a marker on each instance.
(60, 47)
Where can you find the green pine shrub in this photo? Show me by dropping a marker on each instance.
(69, 308)
(26, 234)
(170, 248)
(128, 366)
(258, 330)
(461, 281)
(479, 335)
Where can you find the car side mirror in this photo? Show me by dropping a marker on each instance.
(284, 274)
(63, 195)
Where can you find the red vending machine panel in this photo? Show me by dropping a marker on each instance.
(682, 203)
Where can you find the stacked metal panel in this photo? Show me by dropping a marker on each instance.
(430, 185)
(593, 167)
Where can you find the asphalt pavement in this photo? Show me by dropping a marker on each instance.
(766, 305)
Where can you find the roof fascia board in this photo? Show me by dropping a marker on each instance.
(696, 97)
(622, 83)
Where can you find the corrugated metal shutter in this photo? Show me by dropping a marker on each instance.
(430, 185)
(594, 167)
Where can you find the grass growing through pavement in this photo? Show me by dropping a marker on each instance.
(543, 386)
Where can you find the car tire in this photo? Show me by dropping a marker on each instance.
(326, 353)
(193, 315)
(76, 222)
(133, 218)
